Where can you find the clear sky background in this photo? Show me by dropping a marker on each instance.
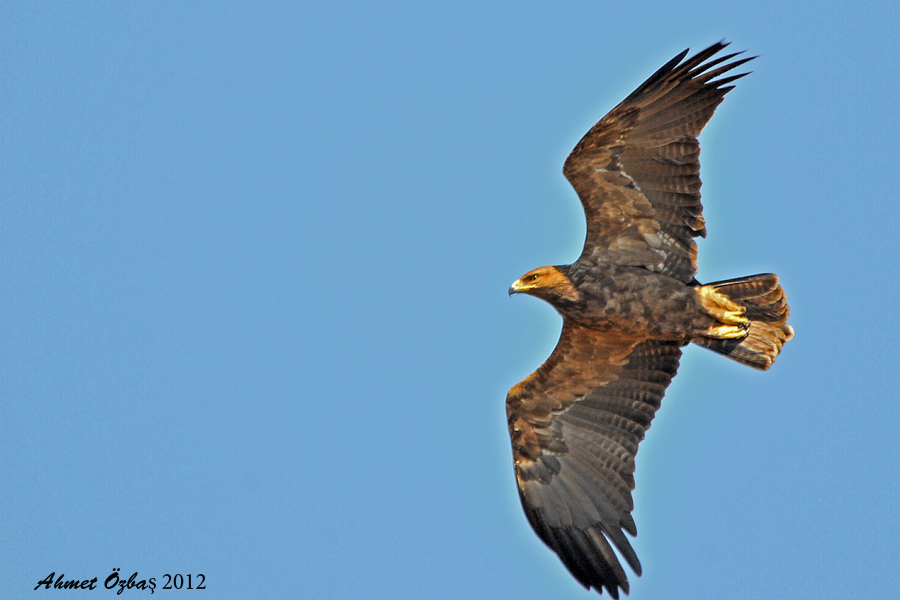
(253, 270)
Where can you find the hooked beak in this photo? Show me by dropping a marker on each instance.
(516, 287)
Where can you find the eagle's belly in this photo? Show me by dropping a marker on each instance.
(634, 301)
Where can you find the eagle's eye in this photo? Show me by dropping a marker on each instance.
(532, 278)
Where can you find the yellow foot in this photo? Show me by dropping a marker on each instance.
(727, 332)
(722, 308)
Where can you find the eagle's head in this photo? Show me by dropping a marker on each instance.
(546, 283)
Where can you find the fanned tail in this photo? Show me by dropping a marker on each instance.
(751, 319)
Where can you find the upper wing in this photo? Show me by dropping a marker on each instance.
(575, 425)
(637, 171)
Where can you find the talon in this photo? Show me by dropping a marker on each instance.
(734, 317)
(727, 332)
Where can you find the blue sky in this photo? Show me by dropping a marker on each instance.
(253, 271)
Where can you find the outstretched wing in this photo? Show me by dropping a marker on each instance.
(575, 425)
(637, 171)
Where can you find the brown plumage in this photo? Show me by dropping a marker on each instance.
(629, 303)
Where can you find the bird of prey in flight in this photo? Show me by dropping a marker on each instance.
(629, 304)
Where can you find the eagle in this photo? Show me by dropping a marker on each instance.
(629, 304)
